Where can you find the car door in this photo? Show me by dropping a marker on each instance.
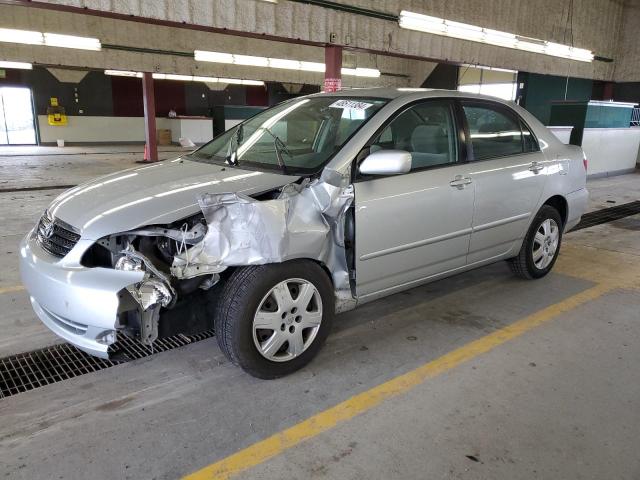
(413, 226)
(509, 173)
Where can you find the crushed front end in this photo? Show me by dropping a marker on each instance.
(88, 292)
(160, 280)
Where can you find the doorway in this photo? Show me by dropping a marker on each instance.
(17, 126)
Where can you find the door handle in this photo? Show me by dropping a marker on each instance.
(536, 167)
(460, 182)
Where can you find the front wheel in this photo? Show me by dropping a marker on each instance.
(271, 320)
(541, 245)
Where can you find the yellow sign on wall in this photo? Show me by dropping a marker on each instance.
(56, 114)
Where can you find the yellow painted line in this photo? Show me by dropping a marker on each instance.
(14, 288)
(323, 421)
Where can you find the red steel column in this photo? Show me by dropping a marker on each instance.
(333, 68)
(151, 145)
(608, 91)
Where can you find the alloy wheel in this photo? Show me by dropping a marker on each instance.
(545, 243)
(287, 320)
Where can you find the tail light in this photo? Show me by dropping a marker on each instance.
(585, 162)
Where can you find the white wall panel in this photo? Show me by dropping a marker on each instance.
(611, 150)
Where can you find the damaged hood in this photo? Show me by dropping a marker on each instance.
(154, 194)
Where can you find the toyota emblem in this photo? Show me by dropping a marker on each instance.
(47, 231)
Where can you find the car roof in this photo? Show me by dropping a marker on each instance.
(412, 93)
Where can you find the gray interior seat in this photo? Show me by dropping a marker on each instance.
(427, 143)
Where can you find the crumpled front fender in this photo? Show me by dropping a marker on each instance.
(305, 221)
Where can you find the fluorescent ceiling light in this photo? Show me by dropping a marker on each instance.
(493, 69)
(282, 63)
(171, 76)
(237, 81)
(29, 37)
(232, 81)
(361, 72)
(255, 83)
(16, 65)
(205, 79)
(71, 41)
(185, 78)
(502, 39)
(216, 57)
(251, 60)
(449, 28)
(367, 72)
(296, 65)
(123, 73)
(312, 66)
(21, 36)
(423, 23)
(464, 30)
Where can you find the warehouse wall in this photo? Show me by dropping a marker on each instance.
(103, 95)
(627, 92)
(94, 91)
(443, 76)
(170, 50)
(593, 24)
(627, 65)
(109, 108)
(541, 90)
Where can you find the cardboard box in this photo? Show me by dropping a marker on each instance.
(164, 136)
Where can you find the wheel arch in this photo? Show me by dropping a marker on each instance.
(560, 204)
(229, 270)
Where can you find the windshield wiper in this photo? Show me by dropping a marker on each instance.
(236, 140)
(280, 147)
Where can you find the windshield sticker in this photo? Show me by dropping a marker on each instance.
(351, 105)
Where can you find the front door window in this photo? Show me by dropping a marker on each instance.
(426, 131)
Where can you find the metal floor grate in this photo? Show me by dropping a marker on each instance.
(608, 215)
(30, 370)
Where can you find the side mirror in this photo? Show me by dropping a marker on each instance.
(386, 162)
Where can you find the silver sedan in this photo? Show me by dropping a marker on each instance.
(305, 210)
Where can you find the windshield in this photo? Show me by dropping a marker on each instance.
(297, 136)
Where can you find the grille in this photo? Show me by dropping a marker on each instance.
(30, 370)
(55, 237)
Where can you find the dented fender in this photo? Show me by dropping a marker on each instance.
(305, 221)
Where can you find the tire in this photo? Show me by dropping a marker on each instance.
(539, 251)
(256, 296)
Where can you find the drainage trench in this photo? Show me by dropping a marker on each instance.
(27, 371)
(607, 215)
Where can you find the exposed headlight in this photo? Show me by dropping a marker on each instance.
(151, 292)
(129, 264)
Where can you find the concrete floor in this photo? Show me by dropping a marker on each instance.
(558, 400)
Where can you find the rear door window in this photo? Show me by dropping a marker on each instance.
(530, 142)
(494, 131)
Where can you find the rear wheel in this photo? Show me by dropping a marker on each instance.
(541, 245)
(272, 319)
